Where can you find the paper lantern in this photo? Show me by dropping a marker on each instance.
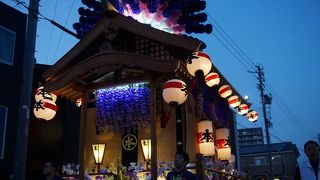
(79, 102)
(41, 94)
(252, 116)
(174, 91)
(146, 148)
(243, 109)
(199, 62)
(45, 109)
(232, 159)
(234, 101)
(225, 91)
(212, 79)
(205, 137)
(223, 143)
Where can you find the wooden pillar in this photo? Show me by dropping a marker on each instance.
(153, 114)
(82, 135)
(200, 166)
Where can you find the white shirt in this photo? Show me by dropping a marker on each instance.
(306, 170)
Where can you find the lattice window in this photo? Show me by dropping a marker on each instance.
(145, 46)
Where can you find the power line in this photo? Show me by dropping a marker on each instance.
(246, 62)
(54, 16)
(285, 109)
(44, 17)
(233, 45)
(54, 55)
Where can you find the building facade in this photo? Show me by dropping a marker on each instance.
(12, 41)
(250, 136)
(254, 160)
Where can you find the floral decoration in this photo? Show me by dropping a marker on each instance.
(124, 108)
(70, 169)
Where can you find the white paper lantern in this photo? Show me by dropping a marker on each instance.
(232, 159)
(174, 91)
(234, 101)
(200, 62)
(225, 91)
(212, 79)
(252, 116)
(243, 109)
(45, 109)
(41, 94)
(223, 143)
(205, 138)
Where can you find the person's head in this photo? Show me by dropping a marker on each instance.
(49, 169)
(266, 175)
(311, 149)
(181, 160)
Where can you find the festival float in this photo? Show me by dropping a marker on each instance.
(154, 91)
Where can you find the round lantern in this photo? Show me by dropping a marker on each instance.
(252, 116)
(79, 102)
(174, 91)
(223, 143)
(225, 91)
(205, 137)
(234, 101)
(243, 109)
(41, 94)
(212, 79)
(45, 109)
(199, 62)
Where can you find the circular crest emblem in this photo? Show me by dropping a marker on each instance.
(129, 142)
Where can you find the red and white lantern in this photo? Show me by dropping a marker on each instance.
(212, 79)
(252, 116)
(243, 109)
(205, 138)
(234, 101)
(199, 62)
(174, 91)
(45, 109)
(223, 144)
(225, 91)
(41, 94)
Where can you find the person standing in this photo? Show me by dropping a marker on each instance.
(180, 172)
(309, 169)
(49, 172)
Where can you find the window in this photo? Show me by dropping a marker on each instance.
(3, 122)
(7, 40)
(260, 160)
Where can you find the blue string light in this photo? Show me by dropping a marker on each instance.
(124, 108)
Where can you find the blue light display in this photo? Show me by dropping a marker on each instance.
(124, 108)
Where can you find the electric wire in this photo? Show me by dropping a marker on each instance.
(56, 50)
(232, 44)
(274, 136)
(248, 63)
(292, 117)
(50, 38)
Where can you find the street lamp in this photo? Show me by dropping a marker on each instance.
(98, 153)
(146, 149)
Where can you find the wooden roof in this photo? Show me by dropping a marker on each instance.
(137, 51)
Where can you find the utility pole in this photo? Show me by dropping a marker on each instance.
(265, 99)
(21, 143)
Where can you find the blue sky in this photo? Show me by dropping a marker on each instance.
(282, 35)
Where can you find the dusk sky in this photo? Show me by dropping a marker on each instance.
(281, 35)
